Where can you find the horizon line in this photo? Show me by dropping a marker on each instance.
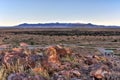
(59, 22)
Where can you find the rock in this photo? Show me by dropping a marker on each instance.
(96, 57)
(100, 72)
(38, 70)
(52, 55)
(63, 51)
(57, 76)
(76, 73)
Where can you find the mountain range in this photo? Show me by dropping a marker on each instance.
(62, 25)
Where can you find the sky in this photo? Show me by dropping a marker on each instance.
(103, 12)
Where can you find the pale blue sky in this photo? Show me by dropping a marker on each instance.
(13, 12)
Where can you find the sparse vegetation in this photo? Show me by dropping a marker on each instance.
(74, 58)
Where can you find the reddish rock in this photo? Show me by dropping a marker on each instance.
(63, 51)
(52, 55)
